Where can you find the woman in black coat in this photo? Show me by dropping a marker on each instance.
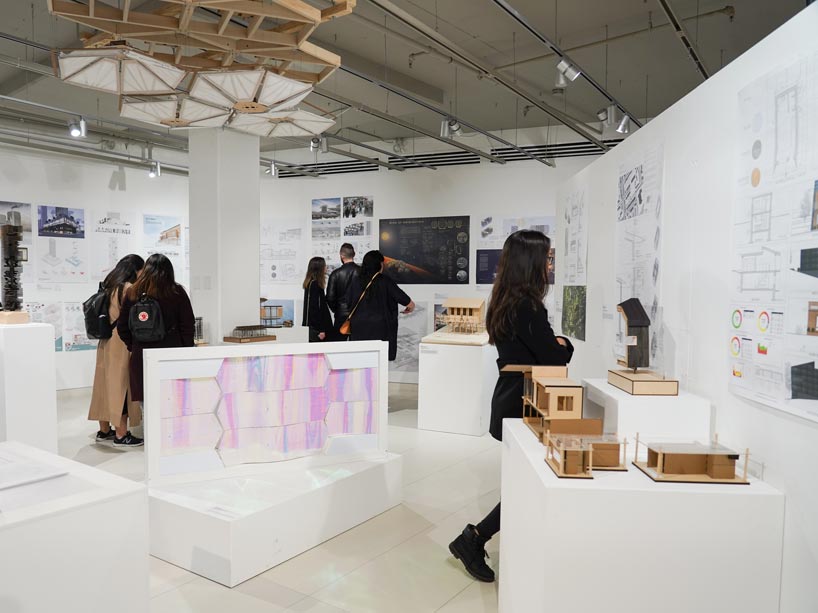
(517, 323)
(316, 311)
(376, 316)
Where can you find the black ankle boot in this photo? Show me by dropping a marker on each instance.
(470, 548)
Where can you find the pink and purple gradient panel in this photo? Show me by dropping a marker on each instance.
(351, 418)
(353, 385)
(260, 409)
(273, 373)
(191, 433)
(180, 397)
(247, 445)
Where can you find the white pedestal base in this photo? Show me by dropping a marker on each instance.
(230, 530)
(28, 387)
(685, 417)
(620, 542)
(51, 538)
(455, 384)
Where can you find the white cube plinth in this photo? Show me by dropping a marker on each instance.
(28, 386)
(76, 542)
(232, 529)
(455, 384)
(296, 334)
(683, 417)
(621, 542)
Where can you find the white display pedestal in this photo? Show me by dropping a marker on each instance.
(28, 386)
(231, 530)
(685, 417)
(296, 334)
(77, 542)
(455, 384)
(621, 542)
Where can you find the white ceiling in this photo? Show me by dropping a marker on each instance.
(643, 65)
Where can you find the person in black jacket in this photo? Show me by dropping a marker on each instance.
(337, 287)
(316, 312)
(376, 317)
(517, 323)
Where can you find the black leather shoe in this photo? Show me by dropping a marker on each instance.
(470, 549)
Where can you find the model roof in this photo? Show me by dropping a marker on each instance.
(634, 312)
(464, 303)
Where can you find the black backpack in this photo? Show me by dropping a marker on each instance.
(95, 310)
(145, 321)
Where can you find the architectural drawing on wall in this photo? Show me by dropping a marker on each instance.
(574, 238)
(761, 218)
(326, 208)
(74, 337)
(360, 228)
(325, 229)
(494, 231)
(630, 201)
(59, 221)
(358, 206)
(282, 259)
(48, 313)
(426, 249)
(786, 131)
(171, 235)
(758, 273)
(63, 260)
(163, 234)
(18, 214)
(411, 329)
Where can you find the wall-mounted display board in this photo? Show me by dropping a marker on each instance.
(574, 249)
(426, 249)
(574, 311)
(772, 325)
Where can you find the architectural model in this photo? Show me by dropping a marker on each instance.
(637, 355)
(576, 457)
(464, 315)
(249, 334)
(10, 235)
(691, 462)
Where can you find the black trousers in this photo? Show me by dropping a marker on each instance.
(490, 524)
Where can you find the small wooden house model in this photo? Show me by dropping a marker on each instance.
(576, 457)
(464, 315)
(691, 463)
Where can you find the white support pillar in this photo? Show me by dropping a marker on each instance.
(224, 229)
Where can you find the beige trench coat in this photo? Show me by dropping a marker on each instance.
(111, 378)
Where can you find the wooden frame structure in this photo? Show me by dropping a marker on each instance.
(691, 462)
(273, 33)
(464, 315)
(576, 457)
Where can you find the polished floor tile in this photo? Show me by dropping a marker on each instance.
(396, 562)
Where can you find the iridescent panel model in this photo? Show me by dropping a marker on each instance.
(268, 409)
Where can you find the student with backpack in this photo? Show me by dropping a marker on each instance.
(159, 314)
(111, 405)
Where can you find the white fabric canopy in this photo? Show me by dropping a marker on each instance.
(248, 91)
(119, 70)
(282, 123)
(175, 112)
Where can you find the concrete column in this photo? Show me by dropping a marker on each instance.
(224, 229)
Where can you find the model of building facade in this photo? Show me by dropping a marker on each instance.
(691, 462)
(464, 315)
(249, 334)
(11, 233)
(576, 457)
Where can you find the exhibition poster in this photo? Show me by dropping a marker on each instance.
(112, 236)
(282, 258)
(574, 239)
(163, 234)
(573, 311)
(343, 219)
(61, 245)
(412, 327)
(17, 214)
(638, 242)
(426, 250)
(772, 326)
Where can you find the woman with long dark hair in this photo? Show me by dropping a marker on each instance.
(316, 311)
(517, 323)
(377, 298)
(156, 281)
(111, 405)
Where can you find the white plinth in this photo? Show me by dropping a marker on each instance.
(455, 384)
(684, 417)
(28, 386)
(621, 542)
(296, 334)
(230, 530)
(77, 542)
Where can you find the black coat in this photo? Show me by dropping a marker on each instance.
(337, 287)
(532, 342)
(180, 327)
(316, 312)
(376, 318)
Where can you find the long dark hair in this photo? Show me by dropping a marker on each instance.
(316, 271)
(370, 266)
(521, 278)
(124, 272)
(156, 279)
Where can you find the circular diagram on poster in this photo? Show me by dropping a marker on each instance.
(764, 321)
(755, 177)
(737, 319)
(462, 262)
(735, 346)
(462, 237)
(462, 275)
(756, 149)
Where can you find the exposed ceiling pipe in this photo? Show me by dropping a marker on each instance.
(443, 113)
(291, 167)
(516, 16)
(350, 154)
(359, 106)
(684, 38)
(381, 151)
(421, 28)
(727, 10)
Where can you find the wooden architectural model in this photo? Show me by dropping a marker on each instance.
(691, 462)
(249, 334)
(464, 315)
(11, 233)
(576, 457)
(637, 355)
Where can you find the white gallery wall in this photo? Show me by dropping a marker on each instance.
(97, 188)
(700, 136)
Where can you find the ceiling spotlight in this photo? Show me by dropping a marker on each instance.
(602, 114)
(567, 69)
(272, 170)
(155, 170)
(454, 127)
(445, 132)
(315, 143)
(78, 129)
(624, 126)
(324, 144)
(560, 83)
